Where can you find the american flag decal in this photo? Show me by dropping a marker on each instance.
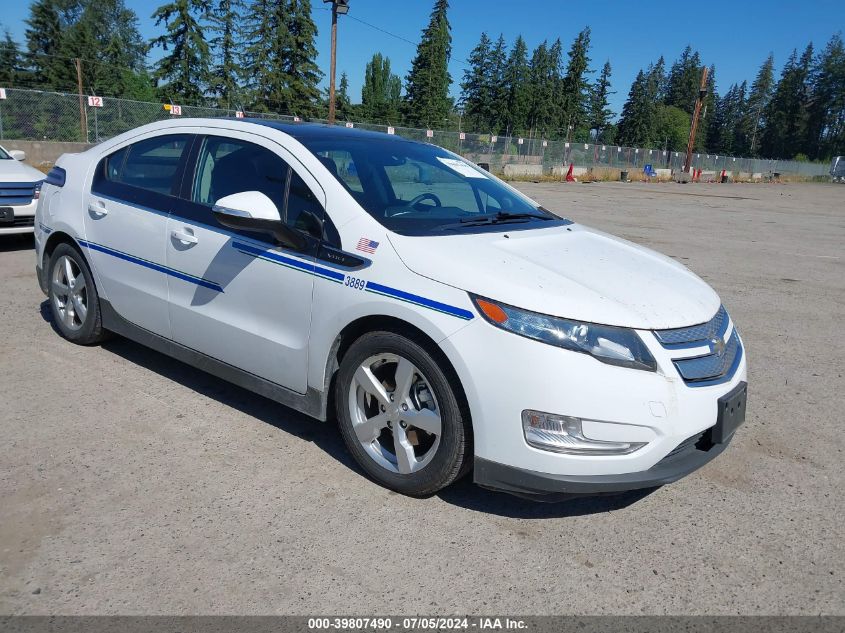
(367, 245)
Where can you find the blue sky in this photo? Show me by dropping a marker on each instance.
(736, 37)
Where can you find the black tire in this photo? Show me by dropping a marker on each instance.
(90, 329)
(452, 457)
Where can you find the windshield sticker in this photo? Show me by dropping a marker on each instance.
(464, 169)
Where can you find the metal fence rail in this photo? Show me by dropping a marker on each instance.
(52, 116)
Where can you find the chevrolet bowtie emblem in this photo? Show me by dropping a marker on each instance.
(717, 346)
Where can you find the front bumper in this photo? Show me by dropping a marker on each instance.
(548, 487)
(503, 374)
(24, 219)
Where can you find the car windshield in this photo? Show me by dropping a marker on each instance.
(4, 155)
(419, 189)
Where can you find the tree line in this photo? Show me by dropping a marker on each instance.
(260, 55)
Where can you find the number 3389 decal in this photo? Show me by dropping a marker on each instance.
(356, 283)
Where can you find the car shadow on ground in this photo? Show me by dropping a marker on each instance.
(464, 494)
(17, 242)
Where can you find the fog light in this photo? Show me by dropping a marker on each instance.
(563, 434)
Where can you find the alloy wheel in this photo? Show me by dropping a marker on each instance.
(70, 294)
(394, 413)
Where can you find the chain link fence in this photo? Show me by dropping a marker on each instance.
(35, 115)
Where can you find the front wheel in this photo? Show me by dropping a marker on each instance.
(399, 415)
(73, 297)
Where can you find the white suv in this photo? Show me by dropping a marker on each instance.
(20, 186)
(452, 322)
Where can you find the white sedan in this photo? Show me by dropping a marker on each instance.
(448, 323)
(20, 186)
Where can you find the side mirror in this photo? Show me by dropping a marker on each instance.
(17, 154)
(254, 211)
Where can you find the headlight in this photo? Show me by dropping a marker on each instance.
(611, 345)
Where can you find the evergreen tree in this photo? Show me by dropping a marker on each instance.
(825, 135)
(498, 88)
(265, 39)
(427, 99)
(684, 81)
(574, 94)
(636, 125)
(381, 92)
(477, 86)
(302, 75)
(10, 62)
(225, 22)
(44, 44)
(599, 112)
(758, 99)
(185, 68)
(344, 110)
(786, 114)
(515, 102)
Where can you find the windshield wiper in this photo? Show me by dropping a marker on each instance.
(502, 217)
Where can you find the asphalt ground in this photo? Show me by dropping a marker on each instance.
(133, 484)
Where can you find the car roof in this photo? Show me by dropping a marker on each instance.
(318, 131)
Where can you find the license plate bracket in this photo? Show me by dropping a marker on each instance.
(731, 413)
(7, 215)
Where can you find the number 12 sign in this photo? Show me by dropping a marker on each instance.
(95, 102)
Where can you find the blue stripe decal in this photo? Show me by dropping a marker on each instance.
(418, 300)
(45, 228)
(276, 258)
(153, 266)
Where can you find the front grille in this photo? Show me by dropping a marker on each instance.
(722, 358)
(687, 336)
(17, 193)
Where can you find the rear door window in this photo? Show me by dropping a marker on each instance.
(151, 164)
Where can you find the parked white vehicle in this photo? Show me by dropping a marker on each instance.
(20, 186)
(455, 322)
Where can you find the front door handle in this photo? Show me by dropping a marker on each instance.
(98, 209)
(185, 238)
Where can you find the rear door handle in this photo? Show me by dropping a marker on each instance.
(185, 238)
(98, 209)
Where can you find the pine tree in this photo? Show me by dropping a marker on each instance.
(684, 81)
(498, 88)
(10, 62)
(758, 99)
(786, 114)
(44, 44)
(636, 125)
(225, 22)
(344, 110)
(825, 135)
(185, 69)
(515, 101)
(599, 113)
(575, 96)
(265, 38)
(301, 94)
(381, 92)
(427, 99)
(477, 86)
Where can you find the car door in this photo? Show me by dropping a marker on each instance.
(133, 190)
(255, 312)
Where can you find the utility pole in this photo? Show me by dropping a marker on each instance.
(702, 92)
(339, 7)
(83, 116)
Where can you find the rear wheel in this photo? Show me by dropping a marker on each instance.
(73, 297)
(399, 415)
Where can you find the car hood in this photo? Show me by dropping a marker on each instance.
(15, 171)
(568, 271)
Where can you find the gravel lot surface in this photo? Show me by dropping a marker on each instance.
(133, 484)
